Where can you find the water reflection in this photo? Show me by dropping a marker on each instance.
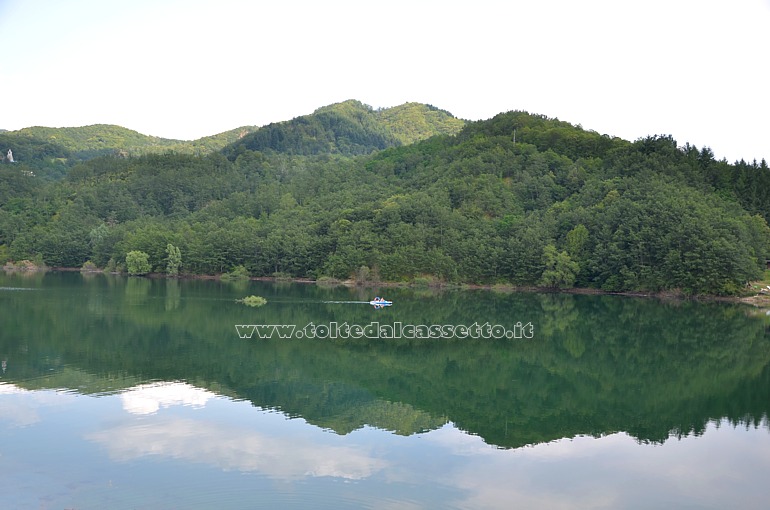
(615, 402)
(149, 398)
(719, 470)
(596, 365)
(230, 447)
(17, 412)
(189, 439)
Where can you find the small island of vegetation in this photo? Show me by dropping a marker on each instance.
(253, 301)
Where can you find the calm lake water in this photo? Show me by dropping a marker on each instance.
(130, 393)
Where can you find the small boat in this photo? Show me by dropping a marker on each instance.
(379, 302)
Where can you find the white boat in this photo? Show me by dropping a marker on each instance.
(380, 302)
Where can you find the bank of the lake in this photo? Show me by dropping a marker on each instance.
(760, 300)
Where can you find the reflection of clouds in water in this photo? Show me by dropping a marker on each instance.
(11, 389)
(232, 448)
(15, 411)
(148, 398)
(18, 406)
(460, 443)
(611, 472)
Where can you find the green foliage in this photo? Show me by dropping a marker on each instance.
(349, 128)
(38, 261)
(253, 301)
(173, 260)
(91, 141)
(137, 263)
(558, 206)
(424, 281)
(88, 142)
(412, 122)
(89, 267)
(576, 241)
(238, 273)
(560, 270)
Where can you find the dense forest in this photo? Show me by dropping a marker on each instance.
(404, 194)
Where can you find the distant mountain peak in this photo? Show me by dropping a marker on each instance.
(350, 128)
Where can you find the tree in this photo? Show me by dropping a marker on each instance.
(560, 270)
(174, 259)
(138, 262)
(576, 241)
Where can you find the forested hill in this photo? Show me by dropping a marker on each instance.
(97, 140)
(345, 128)
(349, 128)
(50, 152)
(519, 199)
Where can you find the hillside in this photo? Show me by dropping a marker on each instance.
(518, 199)
(87, 142)
(213, 143)
(345, 128)
(412, 122)
(98, 140)
(349, 128)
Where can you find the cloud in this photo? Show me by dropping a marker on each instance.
(149, 398)
(19, 406)
(722, 468)
(233, 448)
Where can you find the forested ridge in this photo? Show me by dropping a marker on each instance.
(345, 128)
(518, 199)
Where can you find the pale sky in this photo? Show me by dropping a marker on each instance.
(698, 70)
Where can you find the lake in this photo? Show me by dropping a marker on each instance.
(135, 393)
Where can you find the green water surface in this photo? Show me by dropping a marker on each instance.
(135, 393)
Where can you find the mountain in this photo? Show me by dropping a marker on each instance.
(412, 122)
(87, 142)
(96, 140)
(519, 199)
(349, 128)
(51, 152)
(214, 143)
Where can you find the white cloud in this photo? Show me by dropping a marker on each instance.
(233, 448)
(19, 406)
(149, 398)
(612, 472)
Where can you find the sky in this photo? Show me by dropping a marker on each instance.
(184, 69)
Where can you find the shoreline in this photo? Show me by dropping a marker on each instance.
(758, 300)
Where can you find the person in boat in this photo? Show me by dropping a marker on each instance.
(378, 299)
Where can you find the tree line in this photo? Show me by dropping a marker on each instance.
(520, 199)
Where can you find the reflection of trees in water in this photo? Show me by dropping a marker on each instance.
(173, 294)
(15, 277)
(596, 364)
(559, 313)
(137, 287)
